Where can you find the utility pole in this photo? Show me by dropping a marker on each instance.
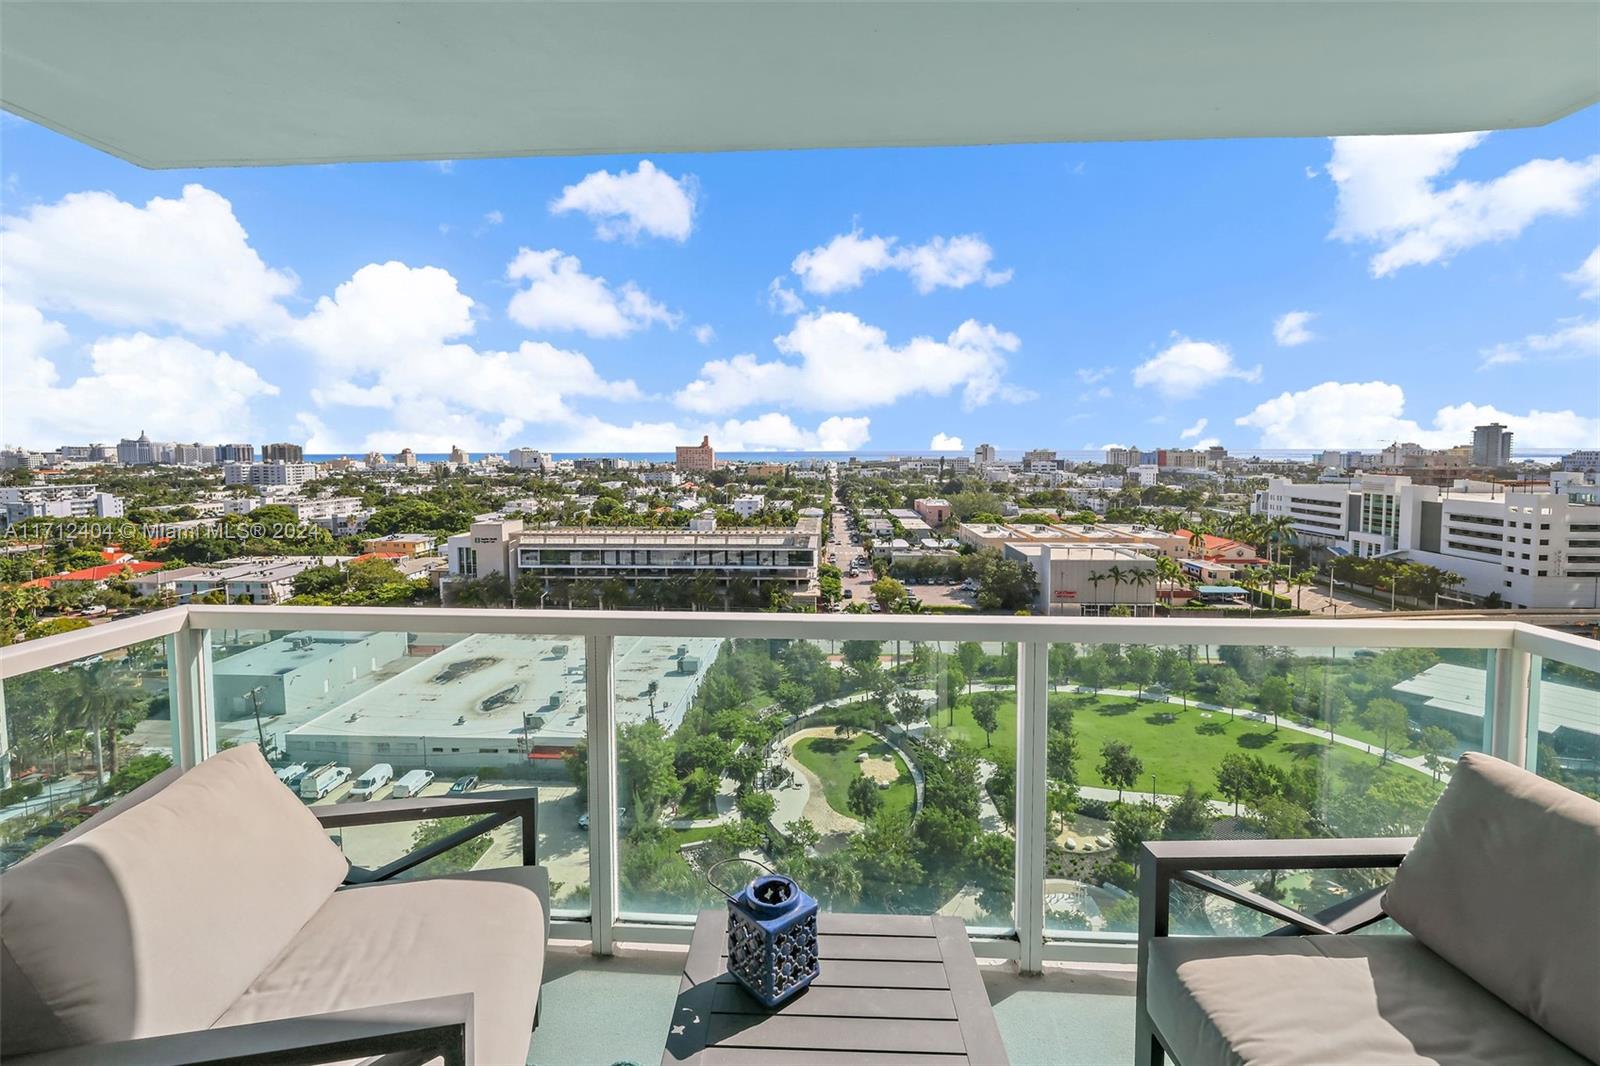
(255, 702)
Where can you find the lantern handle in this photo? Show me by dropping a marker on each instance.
(723, 862)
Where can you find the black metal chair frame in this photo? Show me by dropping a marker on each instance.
(1166, 862)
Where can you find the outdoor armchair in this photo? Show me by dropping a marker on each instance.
(209, 918)
(1498, 960)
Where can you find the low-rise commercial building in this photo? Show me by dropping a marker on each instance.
(770, 558)
(933, 511)
(401, 544)
(296, 675)
(1089, 578)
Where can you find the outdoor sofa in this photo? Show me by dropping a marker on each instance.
(208, 917)
(1498, 962)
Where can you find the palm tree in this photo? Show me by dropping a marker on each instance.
(1117, 576)
(1139, 578)
(1277, 530)
(1299, 582)
(1197, 542)
(1095, 579)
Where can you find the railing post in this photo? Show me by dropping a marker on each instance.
(1508, 735)
(189, 664)
(602, 792)
(1530, 732)
(1033, 710)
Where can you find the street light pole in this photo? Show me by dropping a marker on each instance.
(255, 702)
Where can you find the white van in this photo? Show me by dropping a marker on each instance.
(323, 780)
(413, 783)
(369, 783)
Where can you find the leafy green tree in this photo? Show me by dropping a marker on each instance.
(970, 655)
(888, 593)
(1273, 697)
(1061, 748)
(1388, 719)
(954, 681)
(1119, 766)
(909, 708)
(859, 654)
(1182, 680)
(985, 715)
(1134, 823)
(1189, 816)
(1141, 663)
(1227, 688)
(462, 857)
(645, 766)
(1437, 743)
(756, 806)
(864, 799)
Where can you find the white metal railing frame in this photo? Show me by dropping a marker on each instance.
(1517, 651)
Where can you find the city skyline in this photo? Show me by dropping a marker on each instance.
(1265, 295)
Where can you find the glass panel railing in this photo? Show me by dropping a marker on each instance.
(1198, 741)
(1564, 724)
(347, 716)
(75, 737)
(878, 774)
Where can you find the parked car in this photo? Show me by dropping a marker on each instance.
(412, 784)
(464, 785)
(850, 594)
(323, 780)
(290, 775)
(368, 784)
(583, 819)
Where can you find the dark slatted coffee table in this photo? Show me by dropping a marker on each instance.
(895, 990)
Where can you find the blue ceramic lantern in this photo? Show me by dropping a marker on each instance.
(772, 938)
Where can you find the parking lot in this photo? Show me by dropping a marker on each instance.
(860, 586)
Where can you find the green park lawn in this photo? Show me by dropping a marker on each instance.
(833, 760)
(1005, 736)
(1175, 751)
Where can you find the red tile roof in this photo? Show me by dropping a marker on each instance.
(95, 573)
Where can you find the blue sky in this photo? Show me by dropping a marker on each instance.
(1260, 294)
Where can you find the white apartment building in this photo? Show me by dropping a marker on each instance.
(265, 580)
(1532, 548)
(21, 503)
(1585, 461)
(749, 504)
(768, 557)
(1146, 475)
(669, 478)
(984, 454)
(269, 474)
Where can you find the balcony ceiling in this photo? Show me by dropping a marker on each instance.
(257, 82)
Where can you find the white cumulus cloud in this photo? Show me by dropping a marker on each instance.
(1187, 367)
(944, 442)
(1290, 330)
(841, 363)
(1587, 276)
(184, 262)
(1389, 195)
(705, 334)
(1195, 430)
(1572, 340)
(847, 260)
(560, 296)
(784, 300)
(630, 203)
(169, 386)
(1372, 414)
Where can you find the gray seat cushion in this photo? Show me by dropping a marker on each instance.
(1504, 883)
(1323, 1000)
(155, 921)
(407, 940)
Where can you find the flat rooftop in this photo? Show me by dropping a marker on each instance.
(482, 686)
(286, 654)
(1450, 687)
(671, 538)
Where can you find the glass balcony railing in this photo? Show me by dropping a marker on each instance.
(1001, 770)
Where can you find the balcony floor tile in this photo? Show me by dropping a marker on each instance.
(598, 1012)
